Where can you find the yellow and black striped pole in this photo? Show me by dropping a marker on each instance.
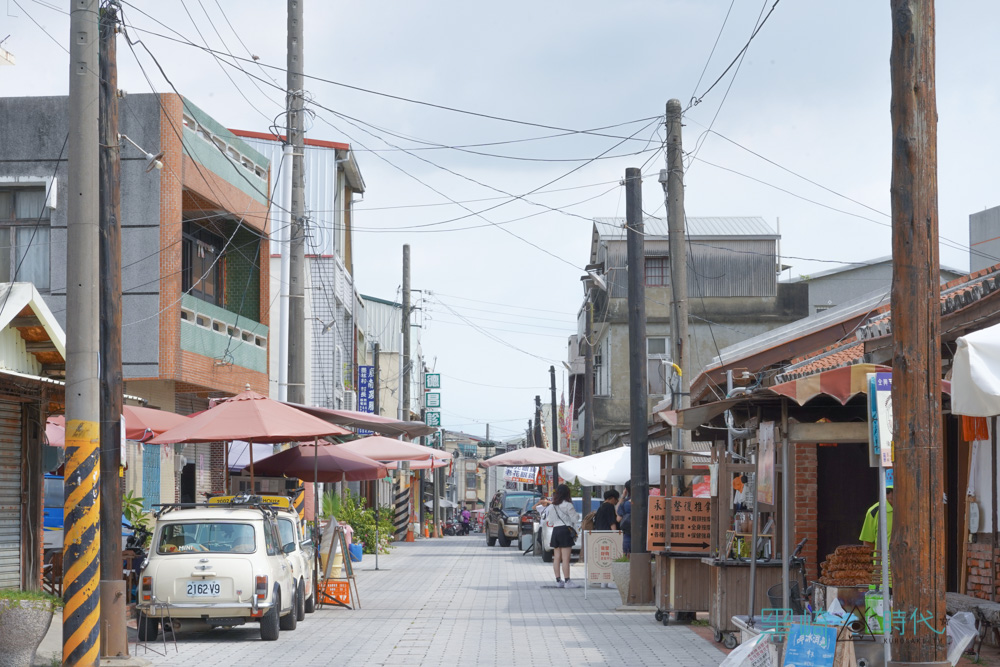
(81, 532)
(81, 545)
(299, 503)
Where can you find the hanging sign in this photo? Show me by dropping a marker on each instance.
(432, 381)
(523, 474)
(366, 393)
(432, 418)
(432, 400)
(880, 419)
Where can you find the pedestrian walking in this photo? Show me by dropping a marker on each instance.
(625, 518)
(606, 518)
(562, 517)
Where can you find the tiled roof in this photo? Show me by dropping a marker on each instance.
(835, 356)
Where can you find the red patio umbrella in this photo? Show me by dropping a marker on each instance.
(252, 417)
(55, 430)
(143, 423)
(325, 463)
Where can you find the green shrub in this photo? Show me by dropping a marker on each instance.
(351, 509)
(30, 595)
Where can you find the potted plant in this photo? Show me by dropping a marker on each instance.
(25, 617)
(620, 573)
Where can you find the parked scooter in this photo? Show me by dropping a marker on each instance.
(456, 528)
(136, 544)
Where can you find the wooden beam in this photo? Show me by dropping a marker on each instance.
(30, 321)
(39, 346)
(827, 432)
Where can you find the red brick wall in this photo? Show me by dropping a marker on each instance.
(978, 559)
(217, 465)
(805, 506)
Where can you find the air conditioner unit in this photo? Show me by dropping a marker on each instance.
(350, 400)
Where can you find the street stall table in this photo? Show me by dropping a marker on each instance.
(681, 578)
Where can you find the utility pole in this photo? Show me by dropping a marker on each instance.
(81, 567)
(375, 371)
(672, 179)
(296, 230)
(640, 588)
(555, 426)
(588, 389)
(112, 584)
(285, 234)
(918, 535)
(405, 375)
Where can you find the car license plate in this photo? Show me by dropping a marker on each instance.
(200, 589)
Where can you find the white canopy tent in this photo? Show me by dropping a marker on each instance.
(609, 468)
(975, 377)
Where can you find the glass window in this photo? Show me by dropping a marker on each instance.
(471, 480)
(286, 531)
(201, 265)
(53, 492)
(271, 539)
(235, 538)
(601, 387)
(24, 236)
(657, 271)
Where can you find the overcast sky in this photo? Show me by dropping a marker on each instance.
(500, 270)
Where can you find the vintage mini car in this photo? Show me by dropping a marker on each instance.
(222, 563)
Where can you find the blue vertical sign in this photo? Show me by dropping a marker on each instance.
(366, 392)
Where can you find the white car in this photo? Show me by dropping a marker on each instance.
(302, 557)
(222, 564)
(543, 531)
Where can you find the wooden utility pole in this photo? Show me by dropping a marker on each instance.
(918, 531)
(588, 388)
(672, 179)
(81, 617)
(555, 425)
(112, 615)
(640, 586)
(296, 231)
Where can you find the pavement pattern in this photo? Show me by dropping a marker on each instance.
(455, 601)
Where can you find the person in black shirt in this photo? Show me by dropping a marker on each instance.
(605, 518)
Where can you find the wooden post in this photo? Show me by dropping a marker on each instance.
(918, 534)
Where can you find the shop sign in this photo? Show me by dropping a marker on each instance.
(690, 524)
(880, 419)
(432, 381)
(432, 418)
(432, 400)
(366, 393)
(811, 645)
(601, 548)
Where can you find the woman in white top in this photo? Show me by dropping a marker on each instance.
(561, 516)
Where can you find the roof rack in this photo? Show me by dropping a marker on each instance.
(249, 502)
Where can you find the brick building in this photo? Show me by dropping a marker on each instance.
(195, 279)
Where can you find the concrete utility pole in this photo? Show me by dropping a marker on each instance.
(377, 408)
(640, 587)
(112, 584)
(296, 231)
(918, 535)
(555, 423)
(588, 389)
(405, 375)
(81, 567)
(284, 218)
(672, 179)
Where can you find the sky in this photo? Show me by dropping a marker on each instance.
(489, 135)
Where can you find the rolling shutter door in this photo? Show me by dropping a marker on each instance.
(10, 495)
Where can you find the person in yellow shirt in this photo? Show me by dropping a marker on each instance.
(869, 531)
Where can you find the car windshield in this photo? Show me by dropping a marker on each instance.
(235, 538)
(287, 531)
(53, 492)
(519, 502)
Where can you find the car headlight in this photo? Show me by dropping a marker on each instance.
(512, 519)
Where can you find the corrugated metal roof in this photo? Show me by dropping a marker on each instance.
(697, 227)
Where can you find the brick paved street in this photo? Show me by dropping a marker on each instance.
(456, 601)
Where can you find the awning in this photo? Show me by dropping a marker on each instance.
(392, 428)
(975, 377)
(842, 383)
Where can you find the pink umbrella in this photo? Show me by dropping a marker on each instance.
(429, 464)
(55, 431)
(381, 448)
(527, 456)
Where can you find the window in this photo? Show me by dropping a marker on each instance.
(657, 271)
(471, 480)
(24, 236)
(234, 538)
(201, 268)
(601, 387)
(658, 369)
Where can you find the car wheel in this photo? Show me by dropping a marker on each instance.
(546, 556)
(504, 540)
(311, 603)
(290, 620)
(148, 628)
(300, 602)
(490, 540)
(269, 627)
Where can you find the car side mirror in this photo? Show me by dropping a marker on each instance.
(306, 544)
(288, 548)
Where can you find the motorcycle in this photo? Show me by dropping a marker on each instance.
(135, 557)
(456, 528)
